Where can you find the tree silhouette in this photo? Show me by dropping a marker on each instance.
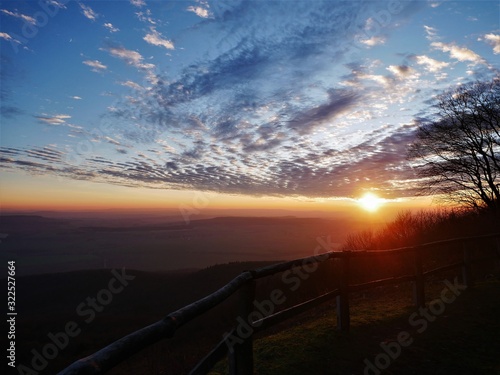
(458, 153)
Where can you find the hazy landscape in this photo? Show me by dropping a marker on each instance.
(154, 243)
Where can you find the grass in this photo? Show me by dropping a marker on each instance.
(463, 339)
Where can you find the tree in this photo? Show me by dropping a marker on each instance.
(458, 152)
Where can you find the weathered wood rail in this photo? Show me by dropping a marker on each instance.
(241, 354)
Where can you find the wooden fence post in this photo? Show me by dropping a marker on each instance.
(241, 357)
(343, 318)
(418, 284)
(466, 268)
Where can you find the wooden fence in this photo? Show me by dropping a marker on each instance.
(241, 354)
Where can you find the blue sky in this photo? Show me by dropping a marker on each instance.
(312, 99)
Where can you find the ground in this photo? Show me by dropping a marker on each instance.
(461, 337)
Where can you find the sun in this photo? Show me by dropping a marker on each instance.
(370, 202)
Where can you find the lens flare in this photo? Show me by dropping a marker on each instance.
(370, 202)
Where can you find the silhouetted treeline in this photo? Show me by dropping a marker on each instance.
(409, 229)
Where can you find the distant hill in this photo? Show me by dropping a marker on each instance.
(30, 223)
(48, 245)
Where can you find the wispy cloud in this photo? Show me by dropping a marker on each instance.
(88, 12)
(155, 38)
(199, 11)
(53, 120)
(76, 97)
(430, 64)
(138, 3)
(8, 38)
(20, 16)
(401, 71)
(374, 41)
(96, 65)
(431, 32)
(133, 58)
(459, 53)
(132, 85)
(57, 4)
(110, 27)
(339, 102)
(112, 141)
(146, 16)
(8, 111)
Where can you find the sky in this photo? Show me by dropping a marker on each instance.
(242, 103)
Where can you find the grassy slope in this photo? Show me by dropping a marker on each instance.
(464, 339)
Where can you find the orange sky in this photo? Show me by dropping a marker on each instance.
(24, 192)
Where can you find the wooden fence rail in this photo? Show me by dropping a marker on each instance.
(241, 355)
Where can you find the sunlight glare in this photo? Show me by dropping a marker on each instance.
(370, 202)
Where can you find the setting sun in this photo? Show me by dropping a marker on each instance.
(370, 202)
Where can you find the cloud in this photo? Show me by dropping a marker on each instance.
(138, 3)
(326, 172)
(130, 57)
(493, 40)
(112, 141)
(360, 73)
(401, 71)
(48, 154)
(459, 53)
(146, 17)
(431, 32)
(132, 85)
(199, 11)
(76, 97)
(374, 41)
(111, 28)
(96, 65)
(8, 38)
(53, 120)
(256, 111)
(20, 16)
(88, 12)
(156, 39)
(10, 111)
(430, 64)
(57, 4)
(340, 101)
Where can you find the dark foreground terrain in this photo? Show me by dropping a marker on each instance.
(463, 339)
(64, 316)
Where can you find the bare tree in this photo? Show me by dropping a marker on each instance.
(458, 153)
